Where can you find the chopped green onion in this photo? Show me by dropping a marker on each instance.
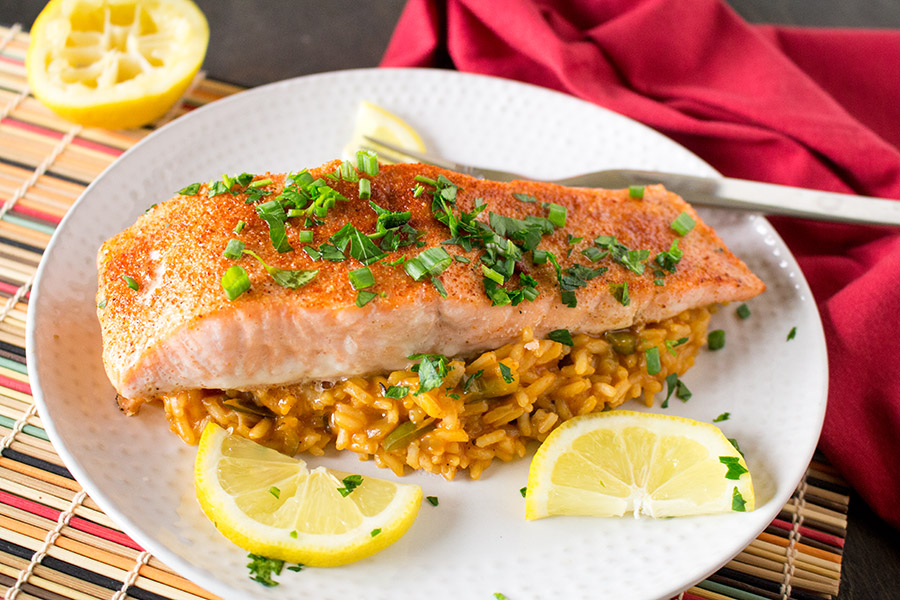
(235, 281)
(361, 278)
(131, 282)
(418, 191)
(305, 236)
(405, 433)
(738, 504)
(492, 275)
(365, 188)
(190, 190)
(723, 417)
(376, 531)
(653, 364)
(234, 249)
(499, 596)
(239, 227)
(743, 311)
(461, 258)
(260, 183)
(431, 261)
(557, 214)
(523, 491)
(275, 491)
(737, 447)
(284, 277)
(539, 257)
(683, 223)
(716, 339)
(792, 334)
(433, 500)
(636, 191)
(363, 297)
(367, 161)
(672, 344)
(562, 336)
(293, 534)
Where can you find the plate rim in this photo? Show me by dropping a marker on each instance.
(198, 575)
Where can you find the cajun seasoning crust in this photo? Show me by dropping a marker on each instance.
(179, 331)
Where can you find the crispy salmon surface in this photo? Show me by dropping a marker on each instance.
(178, 330)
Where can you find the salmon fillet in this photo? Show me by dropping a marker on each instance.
(179, 331)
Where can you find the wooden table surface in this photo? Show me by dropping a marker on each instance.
(259, 41)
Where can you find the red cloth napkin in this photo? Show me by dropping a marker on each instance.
(805, 107)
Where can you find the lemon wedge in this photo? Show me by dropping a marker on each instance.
(374, 121)
(115, 63)
(272, 505)
(608, 464)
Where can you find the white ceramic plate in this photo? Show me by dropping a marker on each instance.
(477, 541)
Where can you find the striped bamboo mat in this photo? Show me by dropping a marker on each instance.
(55, 542)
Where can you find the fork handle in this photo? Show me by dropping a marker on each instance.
(775, 199)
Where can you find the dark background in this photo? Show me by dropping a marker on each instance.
(259, 41)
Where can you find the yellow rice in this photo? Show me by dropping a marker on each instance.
(552, 383)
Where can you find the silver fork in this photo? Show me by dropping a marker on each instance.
(722, 192)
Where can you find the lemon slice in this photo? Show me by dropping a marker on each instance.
(376, 122)
(608, 464)
(115, 63)
(272, 505)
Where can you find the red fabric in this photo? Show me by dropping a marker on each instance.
(805, 107)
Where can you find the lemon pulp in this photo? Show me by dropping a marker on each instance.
(612, 463)
(272, 505)
(376, 122)
(115, 63)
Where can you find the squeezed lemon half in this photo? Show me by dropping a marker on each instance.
(613, 463)
(272, 505)
(374, 121)
(115, 63)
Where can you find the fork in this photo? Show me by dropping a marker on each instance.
(721, 192)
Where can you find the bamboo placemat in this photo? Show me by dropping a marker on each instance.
(56, 543)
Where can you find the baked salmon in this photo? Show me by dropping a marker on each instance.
(432, 262)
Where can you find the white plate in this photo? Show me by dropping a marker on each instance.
(477, 541)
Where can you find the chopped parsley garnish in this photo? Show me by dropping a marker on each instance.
(439, 286)
(362, 248)
(633, 260)
(131, 282)
(723, 417)
(523, 491)
(296, 568)
(396, 392)
(506, 373)
(262, 569)
(432, 369)
(735, 468)
(239, 227)
(525, 198)
(716, 339)
(351, 482)
(275, 491)
(562, 336)
(594, 254)
(461, 258)
(190, 190)
(102, 304)
(635, 191)
(376, 531)
(672, 344)
(393, 229)
(272, 212)
(669, 259)
(235, 281)
(234, 249)
(363, 297)
(738, 504)
(572, 240)
(284, 277)
(653, 364)
(683, 223)
(361, 278)
(620, 292)
(743, 311)
(330, 252)
(791, 334)
(433, 500)
(293, 534)
(499, 596)
(312, 252)
(734, 443)
(572, 278)
(674, 384)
